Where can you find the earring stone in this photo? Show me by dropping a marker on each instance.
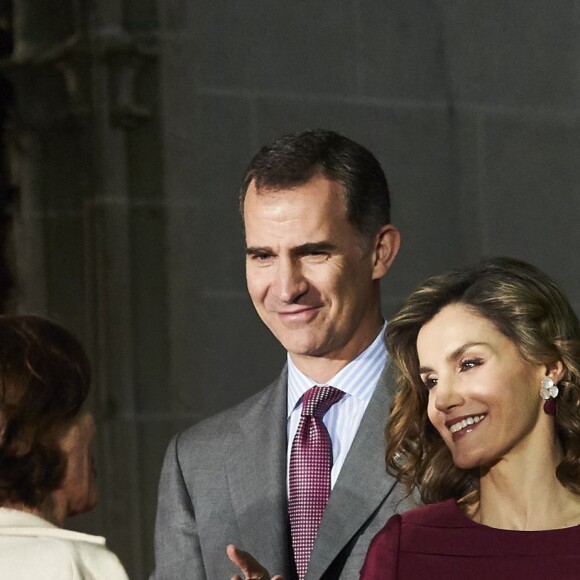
(548, 389)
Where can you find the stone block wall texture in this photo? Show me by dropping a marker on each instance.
(126, 227)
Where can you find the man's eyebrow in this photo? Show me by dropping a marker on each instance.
(301, 250)
(255, 250)
(313, 247)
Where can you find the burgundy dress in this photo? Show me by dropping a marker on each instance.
(438, 541)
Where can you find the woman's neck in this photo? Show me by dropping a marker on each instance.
(523, 493)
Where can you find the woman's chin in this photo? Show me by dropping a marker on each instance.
(466, 462)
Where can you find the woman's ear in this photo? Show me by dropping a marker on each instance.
(386, 247)
(556, 371)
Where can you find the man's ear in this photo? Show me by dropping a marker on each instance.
(385, 248)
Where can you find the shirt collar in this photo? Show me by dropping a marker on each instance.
(358, 378)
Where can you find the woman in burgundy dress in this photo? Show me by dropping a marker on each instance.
(485, 428)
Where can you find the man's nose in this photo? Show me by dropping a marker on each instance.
(290, 281)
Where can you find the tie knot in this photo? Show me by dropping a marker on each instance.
(318, 400)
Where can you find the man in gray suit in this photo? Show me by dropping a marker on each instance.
(319, 239)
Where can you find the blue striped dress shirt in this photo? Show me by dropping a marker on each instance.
(358, 380)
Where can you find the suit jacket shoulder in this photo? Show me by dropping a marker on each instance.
(223, 482)
(228, 421)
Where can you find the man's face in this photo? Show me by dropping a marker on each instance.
(311, 278)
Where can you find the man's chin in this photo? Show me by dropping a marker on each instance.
(302, 350)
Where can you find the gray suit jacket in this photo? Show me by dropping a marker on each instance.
(224, 481)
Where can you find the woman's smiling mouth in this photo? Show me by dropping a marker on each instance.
(457, 425)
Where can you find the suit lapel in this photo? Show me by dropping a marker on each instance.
(361, 486)
(256, 471)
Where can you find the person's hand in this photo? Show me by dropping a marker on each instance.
(248, 565)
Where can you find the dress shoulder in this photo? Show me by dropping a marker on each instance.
(441, 514)
(382, 557)
(438, 542)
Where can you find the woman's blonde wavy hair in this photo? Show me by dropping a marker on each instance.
(531, 311)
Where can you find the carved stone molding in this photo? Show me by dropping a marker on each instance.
(126, 57)
(52, 88)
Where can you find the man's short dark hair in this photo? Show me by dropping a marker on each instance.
(293, 160)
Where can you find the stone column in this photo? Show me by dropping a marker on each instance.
(89, 225)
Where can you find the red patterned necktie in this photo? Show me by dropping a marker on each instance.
(310, 465)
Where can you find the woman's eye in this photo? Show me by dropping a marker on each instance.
(429, 382)
(469, 363)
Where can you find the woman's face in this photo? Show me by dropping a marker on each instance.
(483, 396)
(80, 483)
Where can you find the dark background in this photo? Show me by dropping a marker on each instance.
(127, 125)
